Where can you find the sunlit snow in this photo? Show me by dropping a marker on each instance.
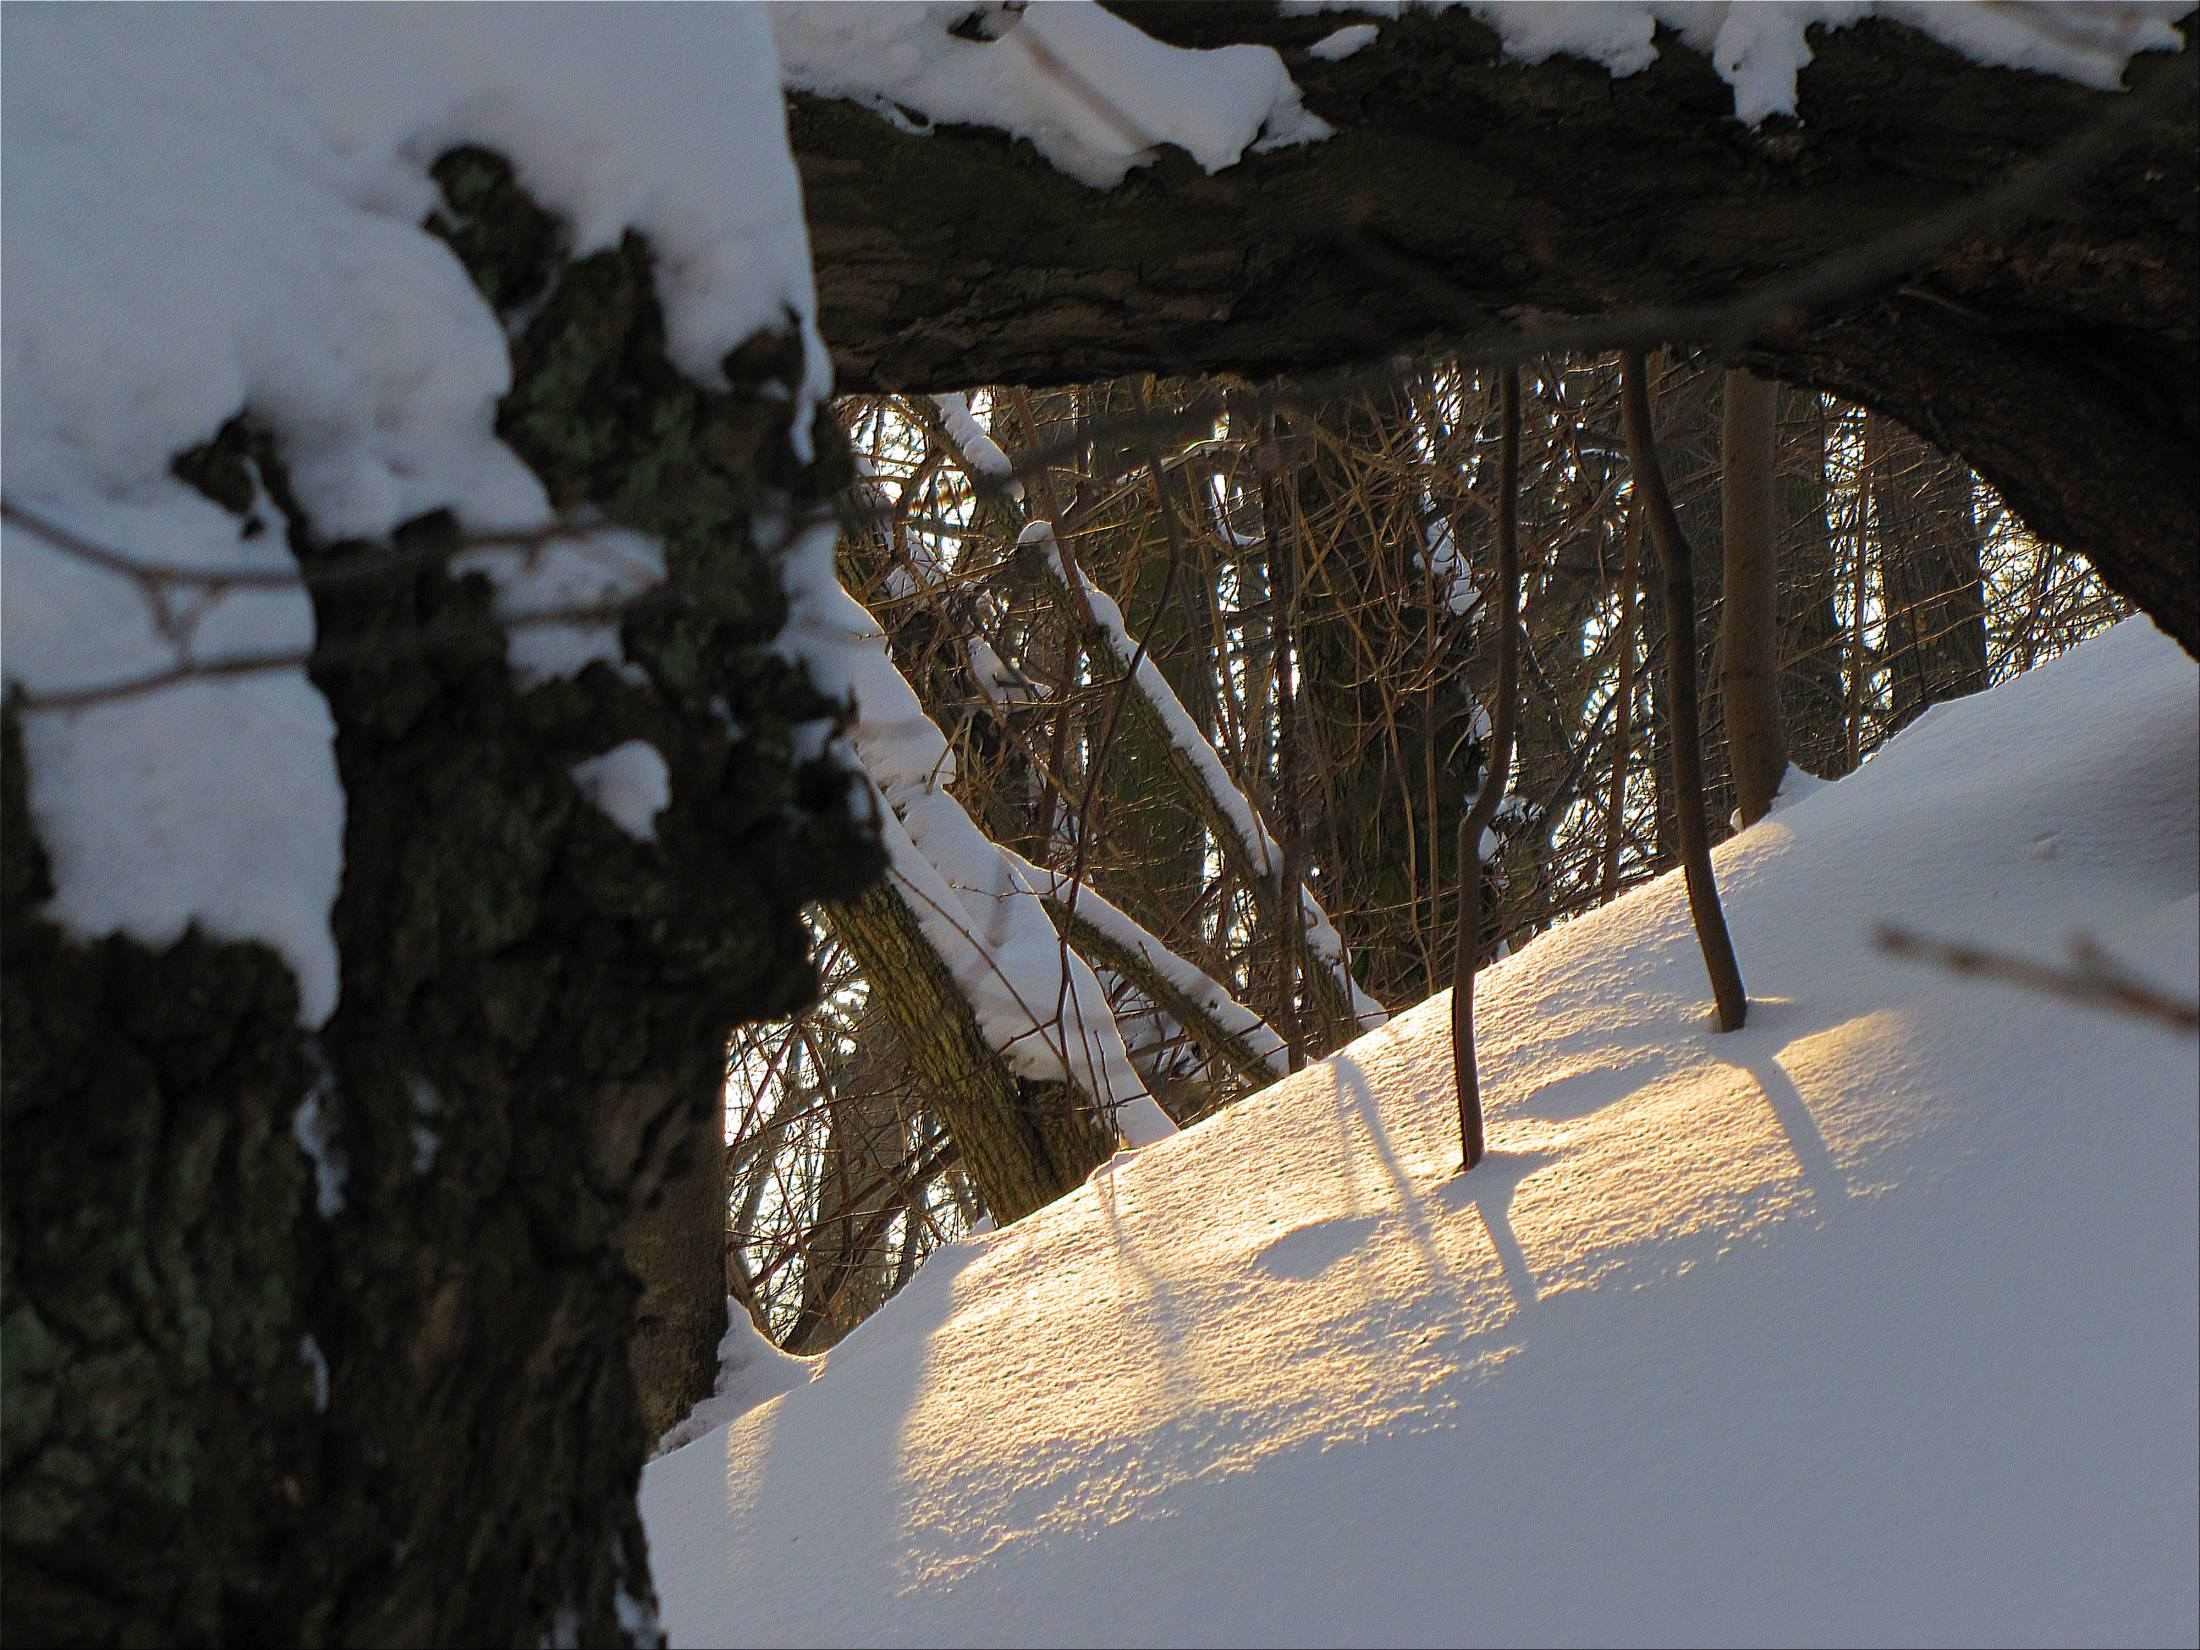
(1874, 1321)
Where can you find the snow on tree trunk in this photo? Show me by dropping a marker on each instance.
(357, 1370)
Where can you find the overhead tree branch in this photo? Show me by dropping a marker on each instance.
(2001, 260)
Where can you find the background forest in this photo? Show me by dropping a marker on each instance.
(1309, 577)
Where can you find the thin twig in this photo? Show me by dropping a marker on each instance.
(2093, 979)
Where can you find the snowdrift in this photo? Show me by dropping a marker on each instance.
(1875, 1321)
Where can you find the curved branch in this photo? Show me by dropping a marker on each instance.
(2001, 260)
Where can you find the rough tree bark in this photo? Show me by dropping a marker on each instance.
(2057, 350)
(411, 1419)
(415, 1421)
(1024, 1143)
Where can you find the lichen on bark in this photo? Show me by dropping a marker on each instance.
(523, 1073)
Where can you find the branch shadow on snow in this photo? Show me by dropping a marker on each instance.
(1489, 1192)
(1754, 1051)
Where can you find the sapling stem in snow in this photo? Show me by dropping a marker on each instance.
(1682, 715)
(1630, 580)
(1495, 773)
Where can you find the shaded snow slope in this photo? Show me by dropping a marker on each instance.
(1873, 1321)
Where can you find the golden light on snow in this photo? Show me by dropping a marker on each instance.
(1872, 1290)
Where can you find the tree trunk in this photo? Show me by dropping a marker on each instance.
(1926, 522)
(1691, 422)
(377, 1390)
(675, 1247)
(1756, 753)
(1813, 690)
(1615, 806)
(1467, 949)
(1025, 1143)
(846, 1264)
(1675, 557)
(1469, 201)
(1154, 839)
(1383, 696)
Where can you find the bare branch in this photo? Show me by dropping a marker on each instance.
(2092, 979)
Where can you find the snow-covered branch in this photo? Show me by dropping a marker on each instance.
(1232, 1034)
(1248, 846)
(981, 915)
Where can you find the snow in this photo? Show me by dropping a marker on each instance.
(1443, 564)
(629, 784)
(316, 1362)
(980, 453)
(311, 1127)
(636, 1617)
(1232, 1016)
(1759, 48)
(1094, 94)
(427, 1105)
(215, 209)
(1335, 48)
(1875, 1321)
(979, 911)
(277, 158)
(599, 568)
(750, 1371)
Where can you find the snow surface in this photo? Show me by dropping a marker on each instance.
(1759, 48)
(1094, 94)
(214, 209)
(1875, 1321)
(750, 1371)
(629, 784)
